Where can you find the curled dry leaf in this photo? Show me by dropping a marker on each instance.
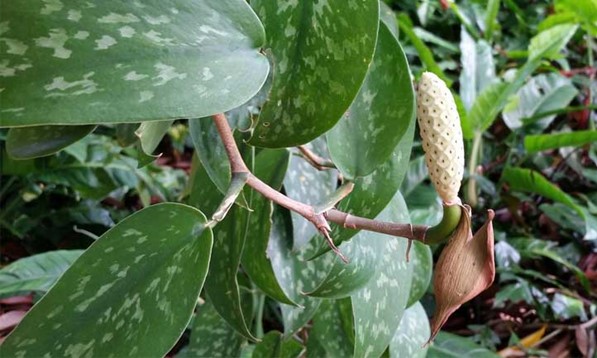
(466, 267)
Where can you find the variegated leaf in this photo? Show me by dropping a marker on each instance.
(73, 62)
(320, 53)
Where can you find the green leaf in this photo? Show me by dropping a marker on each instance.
(566, 307)
(35, 273)
(436, 40)
(388, 17)
(221, 284)
(294, 274)
(145, 272)
(371, 194)
(448, 345)
(495, 97)
(320, 53)
(127, 62)
(537, 143)
(486, 107)
(274, 345)
(584, 11)
(530, 181)
(270, 166)
(327, 330)
(422, 262)
(151, 133)
(412, 334)
(493, 7)
(378, 307)
(211, 336)
(478, 68)
(310, 186)
(345, 278)
(125, 133)
(540, 94)
(211, 151)
(548, 43)
(40, 141)
(199, 188)
(380, 114)
(534, 248)
(406, 27)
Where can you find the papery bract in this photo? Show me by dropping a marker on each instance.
(466, 267)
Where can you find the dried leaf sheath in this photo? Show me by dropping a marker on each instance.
(466, 267)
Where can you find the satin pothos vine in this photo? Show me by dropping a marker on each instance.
(466, 265)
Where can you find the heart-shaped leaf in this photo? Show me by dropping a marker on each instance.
(221, 284)
(311, 186)
(412, 333)
(274, 345)
(320, 53)
(40, 141)
(294, 275)
(380, 114)
(371, 194)
(144, 272)
(210, 151)
(422, 262)
(378, 307)
(211, 336)
(115, 61)
(270, 166)
(327, 330)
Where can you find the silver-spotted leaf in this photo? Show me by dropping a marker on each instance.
(345, 278)
(378, 306)
(327, 330)
(70, 62)
(211, 336)
(145, 272)
(380, 114)
(222, 285)
(411, 335)
(294, 274)
(371, 194)
(274, 345)
(320, 53)
(270, 166)
(422, 262)
(308, 185)
(210, 151)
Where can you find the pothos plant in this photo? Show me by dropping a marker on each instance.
(302, 115)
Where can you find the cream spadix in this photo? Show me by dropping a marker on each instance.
(439, 124)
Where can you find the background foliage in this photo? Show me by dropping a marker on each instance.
(523, 74)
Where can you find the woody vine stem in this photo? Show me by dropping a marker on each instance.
(318, 219)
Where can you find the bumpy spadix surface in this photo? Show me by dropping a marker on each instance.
(439, 124)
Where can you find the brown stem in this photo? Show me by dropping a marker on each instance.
(408, 231)
(320, 220)
(315, 160)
